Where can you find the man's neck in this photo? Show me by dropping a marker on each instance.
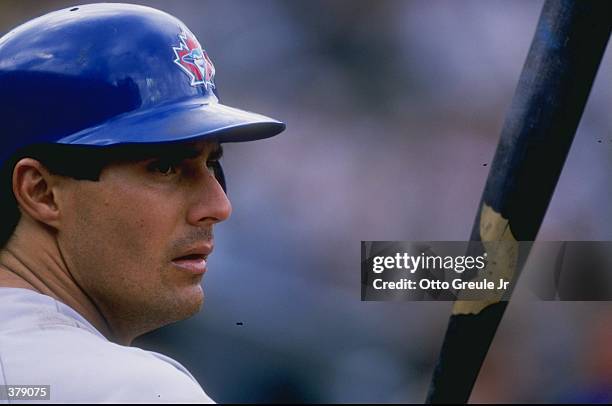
(31, 259)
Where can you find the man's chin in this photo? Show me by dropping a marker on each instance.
(192, 300)
(181, 304)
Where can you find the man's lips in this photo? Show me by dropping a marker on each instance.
(191, 263)
(194, 260)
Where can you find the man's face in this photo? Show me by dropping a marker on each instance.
(136, 240)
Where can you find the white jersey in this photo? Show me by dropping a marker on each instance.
(45, 342)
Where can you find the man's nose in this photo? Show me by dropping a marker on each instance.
(210, 203)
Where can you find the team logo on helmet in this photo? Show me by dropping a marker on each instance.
(194, 61)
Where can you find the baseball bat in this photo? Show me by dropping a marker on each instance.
(553, 88)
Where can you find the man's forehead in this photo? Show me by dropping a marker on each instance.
(177, 150)
(188, 149)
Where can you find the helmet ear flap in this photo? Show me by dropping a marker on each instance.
(219, 175)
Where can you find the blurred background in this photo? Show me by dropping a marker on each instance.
(394, 109)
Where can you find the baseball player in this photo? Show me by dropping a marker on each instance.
(110, 189)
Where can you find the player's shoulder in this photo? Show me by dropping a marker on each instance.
(86, 369)
(40, 346)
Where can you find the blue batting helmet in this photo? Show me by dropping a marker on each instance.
(107, 74)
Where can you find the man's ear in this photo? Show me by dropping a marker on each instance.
(34, 190)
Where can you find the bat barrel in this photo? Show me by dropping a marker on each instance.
(553, 88)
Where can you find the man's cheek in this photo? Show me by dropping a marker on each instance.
(138, 238)
(140, 221)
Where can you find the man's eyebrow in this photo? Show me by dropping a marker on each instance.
(190, 152)
(181, 152)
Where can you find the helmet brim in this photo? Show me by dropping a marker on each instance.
(184, 121)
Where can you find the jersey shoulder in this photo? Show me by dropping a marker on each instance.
(83, 368)
(80, 366)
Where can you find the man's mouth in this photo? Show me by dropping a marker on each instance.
(194, 263)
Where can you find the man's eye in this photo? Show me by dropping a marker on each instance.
(164, 167)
